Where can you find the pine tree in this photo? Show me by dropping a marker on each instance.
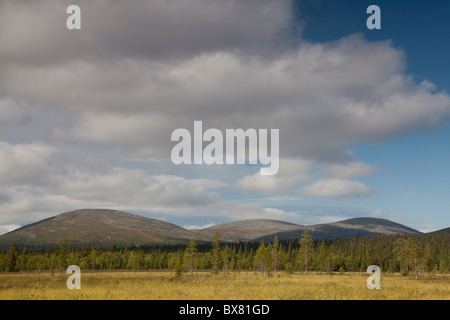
(407, 254)
(228, 260)
(63, 254)
(11, 258)
(260, 258)
(216, 254)
(322, 256)
(92, 257)
(178, 267)
(428, 259)
(306, 246)
(189, 256)
(275, 261)
(415, 257)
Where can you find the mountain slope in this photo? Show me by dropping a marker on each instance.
(246, 230)
(98, 226)
(446, 230)
(106, 227)
(255, 230)
(375, 225)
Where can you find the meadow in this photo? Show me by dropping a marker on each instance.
(244, 285)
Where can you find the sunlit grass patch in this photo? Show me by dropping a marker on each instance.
(162, 285)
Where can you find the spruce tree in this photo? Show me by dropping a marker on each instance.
(407, 253)
(216, 254)
(428, 259)
(260, 258)
(63, 254)
(11, 258)
(275, 260)
(189, 256)
(306, 246)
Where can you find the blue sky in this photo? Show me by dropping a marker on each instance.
(411, 184)
(414, 170)
(418, 27)
(86, 115)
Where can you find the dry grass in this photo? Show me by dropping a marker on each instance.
(205, 286)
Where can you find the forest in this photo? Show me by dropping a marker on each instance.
(413, 254)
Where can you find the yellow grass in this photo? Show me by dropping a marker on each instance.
(205, 286)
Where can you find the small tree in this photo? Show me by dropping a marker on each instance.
(260, 258)
(216, 254)
(407, 254)
(306, 246)
(178, 267)
(228, 259)
(11, 258)
(322, 256)
(428, 259)
(189, 256)
(288, 268)
(275, 260)
(92, 258)
(63, 255)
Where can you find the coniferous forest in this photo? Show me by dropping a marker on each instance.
(418, 254)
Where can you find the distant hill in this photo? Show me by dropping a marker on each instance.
(446, 230)
(246, 230)
(106, 227)
(255, 230)
(98, 226)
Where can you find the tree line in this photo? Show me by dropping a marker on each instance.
(409, 254)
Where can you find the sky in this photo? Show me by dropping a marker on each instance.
(86, 115)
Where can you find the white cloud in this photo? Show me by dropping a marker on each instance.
(26, 163)
(242, 211)
(291, 173)
(40, 181)
(35, 31)
(194, 227)
(328, 219)
(327, 187)
(117, 91)
(322, 97)
(279, 199)
(8, 227)
(9, 113)
(350, 170)
(226, 210)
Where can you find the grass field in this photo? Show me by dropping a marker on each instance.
(205, 286)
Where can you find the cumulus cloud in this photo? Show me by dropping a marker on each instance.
(26, 163)
(195, 227)
(81, 113)
(116, 91)
(322, 97)
(136, 186)
(8, 228)
(328, 187)
(36, 183)
(292, 172)
(155, 29)
(10, 115)
(350, 170)
(241, 211)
